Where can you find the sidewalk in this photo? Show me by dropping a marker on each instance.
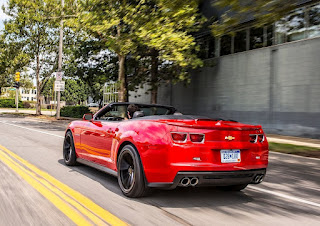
(299, 141)
(274, 138)
(33, 112)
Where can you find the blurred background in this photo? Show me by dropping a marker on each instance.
(252, 61)
(267, 74)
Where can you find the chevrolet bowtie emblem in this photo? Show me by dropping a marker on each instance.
(229, 138)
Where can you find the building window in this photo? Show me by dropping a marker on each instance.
(225, 45)
(314, 21)
(27, 98)
(296, 27)
(207, 47)
(270, 35)
(256, 38)
(240, 41)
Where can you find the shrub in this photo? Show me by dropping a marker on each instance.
(74, 111)
(9, 103)
(51, 106)
(26, 104)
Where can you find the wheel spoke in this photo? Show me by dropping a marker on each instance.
(131, 179)
(126, 181)
(127, 170)
(124, 165)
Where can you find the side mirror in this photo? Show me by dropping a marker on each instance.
(87, 117)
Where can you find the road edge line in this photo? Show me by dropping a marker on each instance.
(46, 193)
(83, 200)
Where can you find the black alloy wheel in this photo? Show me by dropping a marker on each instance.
(69, 153)
(130, 173)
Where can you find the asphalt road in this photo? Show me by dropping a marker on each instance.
(290, 194)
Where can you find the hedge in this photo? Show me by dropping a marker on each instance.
(9, 103)
(74, 111)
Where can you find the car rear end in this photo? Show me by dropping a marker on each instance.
(213, 152)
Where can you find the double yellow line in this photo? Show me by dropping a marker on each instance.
(80, 209)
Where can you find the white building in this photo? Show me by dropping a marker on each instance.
(28, 94)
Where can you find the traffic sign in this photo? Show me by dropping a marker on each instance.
(59, 86)
(17, 78)
(59, 76)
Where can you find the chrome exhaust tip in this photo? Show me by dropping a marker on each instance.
(185, 182)
(261, 178)
(194, 181)
(258, 179)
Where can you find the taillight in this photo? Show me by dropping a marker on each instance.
(260, 138)
(197, 138)
(179, 137)
(253, 138)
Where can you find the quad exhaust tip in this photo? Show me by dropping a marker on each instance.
(194, 181)
(186, 181)
(258, 179)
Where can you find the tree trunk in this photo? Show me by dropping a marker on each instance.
(123, 94)
(38, 105)
(154, 76)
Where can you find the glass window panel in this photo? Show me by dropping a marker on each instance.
(212, 47)
(314, 21)
(296, 26)
(281, 31)
(270, 35)
(240, 41)
(225, 45)
(202, 42)
(291, 28)
(207, 47)
(256, 38)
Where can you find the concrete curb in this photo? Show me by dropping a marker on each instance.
(293, 142)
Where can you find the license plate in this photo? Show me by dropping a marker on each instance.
(228, 156)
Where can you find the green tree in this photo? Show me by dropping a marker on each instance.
(264, 12)
(111, 21)
(76, 91)
(93, 64)
(32, 25)
(160, 28)
(166, 30)
(12, 59)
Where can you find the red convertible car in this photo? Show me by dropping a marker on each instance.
(161, 148)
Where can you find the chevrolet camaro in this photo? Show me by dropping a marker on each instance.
(161, 148)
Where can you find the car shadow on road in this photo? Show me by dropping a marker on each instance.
(212, 198)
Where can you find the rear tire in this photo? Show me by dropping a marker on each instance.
(130, 173)
(238, 187)
(69, 153)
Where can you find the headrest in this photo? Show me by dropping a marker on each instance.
(138, 114)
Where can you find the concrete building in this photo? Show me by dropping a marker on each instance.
(268, 76)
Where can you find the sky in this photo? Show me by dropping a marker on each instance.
(2, 15)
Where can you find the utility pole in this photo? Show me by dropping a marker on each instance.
(60, 56)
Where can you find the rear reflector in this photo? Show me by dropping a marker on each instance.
(179, 137)
(196, 138)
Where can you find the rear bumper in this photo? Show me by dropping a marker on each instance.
(216, 178)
